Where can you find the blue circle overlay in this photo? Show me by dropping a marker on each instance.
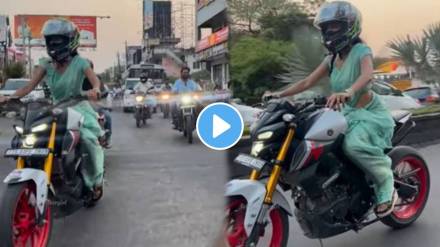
(228, 121)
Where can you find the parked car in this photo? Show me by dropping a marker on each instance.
(393, 98)
(248, 113)
(425, 95)
(11, 85)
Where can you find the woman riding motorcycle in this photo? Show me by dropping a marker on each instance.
(351, 69)
(64, 73)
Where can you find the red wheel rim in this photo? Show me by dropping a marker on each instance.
(410, 210)
(25, 230)
(235, 232)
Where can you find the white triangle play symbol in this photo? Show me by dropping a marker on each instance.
(219, 126)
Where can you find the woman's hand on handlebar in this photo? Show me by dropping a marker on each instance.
(93, 94)
(337, 100)
(270, 95)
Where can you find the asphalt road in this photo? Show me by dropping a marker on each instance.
(160, 191)
(423, 233)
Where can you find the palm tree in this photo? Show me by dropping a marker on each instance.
(433, 36)
(403, 49)
(307, 56)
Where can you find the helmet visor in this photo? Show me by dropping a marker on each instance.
(335, 12)
(58, 27)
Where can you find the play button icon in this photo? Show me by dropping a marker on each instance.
(219, 126)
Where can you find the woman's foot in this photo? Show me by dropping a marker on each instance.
(385, 209)
(98, 192)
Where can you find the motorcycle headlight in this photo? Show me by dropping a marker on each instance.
(139, 98)
(18, 129)
(186, 99)
(165, 96)
(265, 135)
(256, 148)
(30, 140)
(40, 128)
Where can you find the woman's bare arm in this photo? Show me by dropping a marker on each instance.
(96, 84)
(366, 76)
(38, 76)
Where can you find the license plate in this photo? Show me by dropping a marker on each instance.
(250, 161)
(23, 152)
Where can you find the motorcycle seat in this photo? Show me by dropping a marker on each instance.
(400, 114)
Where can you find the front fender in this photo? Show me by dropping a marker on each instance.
(27, 174)
(254, 193)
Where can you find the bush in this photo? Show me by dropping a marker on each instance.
(426, 110)
(15, 70)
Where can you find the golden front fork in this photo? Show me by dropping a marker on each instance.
(48, 164)
(254, 175)
(20, 163)
(276, 171)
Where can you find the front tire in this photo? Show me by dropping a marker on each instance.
(138, 116)
(19, 226)
(235, 232)
(189, 129)
(406, 160)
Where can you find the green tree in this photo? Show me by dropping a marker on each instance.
(255, 64)
(307, 55)
(417, 53)
(432, 33)
(246, 15)
(281, 24)
(15, 70)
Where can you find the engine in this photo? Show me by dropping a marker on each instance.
(325, 214)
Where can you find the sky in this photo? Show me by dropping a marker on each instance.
(383, 20)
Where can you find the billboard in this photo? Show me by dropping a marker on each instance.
(3, 28)
(31, 26)
(212, 40)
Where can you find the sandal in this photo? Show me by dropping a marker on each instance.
(390, 207)
(98, 192)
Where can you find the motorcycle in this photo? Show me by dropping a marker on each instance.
(297, 148)
(104, 141)
(142, 110)
(187, 115)
(165, 98)
(47, 181)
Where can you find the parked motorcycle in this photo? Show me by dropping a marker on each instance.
(47, 181)
(297, 149)
(142, 110)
